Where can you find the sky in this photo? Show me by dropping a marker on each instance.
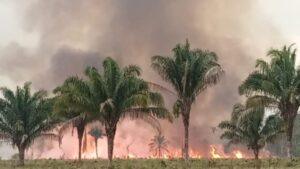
(46, 41)
(279, 12)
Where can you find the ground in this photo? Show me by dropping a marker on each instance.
(155, 164)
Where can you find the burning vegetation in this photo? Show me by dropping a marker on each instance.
(114, 94)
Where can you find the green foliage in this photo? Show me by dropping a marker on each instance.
(113, 94)
(96, 132)
(158, 145)
(277, 85)
(189, 71)
(248, 126)
(24, 117)
(70, 113)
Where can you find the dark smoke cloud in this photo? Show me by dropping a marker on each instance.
(16, 62)
(67, 62)
(77, 33)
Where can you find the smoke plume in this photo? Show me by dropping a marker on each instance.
(74, 34)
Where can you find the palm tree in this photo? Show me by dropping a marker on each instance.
(24, 117)
(158, 144)
(114, 94)
(96, 133)
(248, 126)
(190, 72)
(276, 84)
(70, 115)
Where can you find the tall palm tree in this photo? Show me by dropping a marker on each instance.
(24, 117)
(116, 93)
(248, 126)
(190, 71)
(97, 133)
(158, 145)
(276, 84)
(70, 115)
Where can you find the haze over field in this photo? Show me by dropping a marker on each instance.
(47, 41)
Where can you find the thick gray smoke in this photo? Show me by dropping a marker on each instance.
(76, 33)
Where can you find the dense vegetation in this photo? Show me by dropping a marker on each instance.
(190, 72)
(276, 85)
(113, 92)
(24, 117)
(248, 126)
(109, 96)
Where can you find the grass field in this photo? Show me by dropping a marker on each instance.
(155, 164)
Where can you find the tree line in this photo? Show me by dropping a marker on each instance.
(110, 93)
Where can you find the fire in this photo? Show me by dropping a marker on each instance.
(130, 155)
(213, 152)
(88, 155)
(176, 154)
(194, 154)
(165, 156)
(238, 154)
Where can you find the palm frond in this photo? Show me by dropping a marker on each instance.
(155, 86)
(140, 113)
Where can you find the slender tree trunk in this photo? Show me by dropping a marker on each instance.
(289, 137)
(96, 145)
(110, 133)
(256, 154)
(289, 131)
(159, 152)
(256, 157)
(79, 148)
(21, 155)
(186, 122)
(80, 132)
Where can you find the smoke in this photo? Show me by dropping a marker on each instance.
(75, 34)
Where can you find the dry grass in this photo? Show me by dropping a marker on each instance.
(155, 164)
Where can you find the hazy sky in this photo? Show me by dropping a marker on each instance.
(283, 15)
(46, 41)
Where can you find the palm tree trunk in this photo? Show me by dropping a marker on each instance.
(289, 138)
(256, 157)
(21, 155)
(96, 145)
(110, 133)
(289, 131)
(159, 152)
(80, 132)
(256, 154)
(79, 148)
(186, 122)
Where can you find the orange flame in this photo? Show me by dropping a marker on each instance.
(194, 154)
(130, 156)
(238, 154)
(213, 152)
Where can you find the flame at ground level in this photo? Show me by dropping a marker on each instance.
(238, 154)
(129, 147)
(215, 151)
